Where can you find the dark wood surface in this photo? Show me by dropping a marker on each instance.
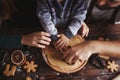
(44, 72)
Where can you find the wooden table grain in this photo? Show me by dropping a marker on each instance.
(44, 72)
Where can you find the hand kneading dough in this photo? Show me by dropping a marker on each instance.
(54, 58)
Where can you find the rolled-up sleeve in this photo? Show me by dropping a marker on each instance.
(45, 17)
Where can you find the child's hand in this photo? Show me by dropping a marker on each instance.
(62, 42)
(85, 30)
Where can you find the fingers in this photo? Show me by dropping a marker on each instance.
(60, 45)
(47, 39)
(71, 58)
(45, 34)
(75, 59)
(37, 39)
(39, 45)
(85, 30)
(43, 42)
(62, 42)
(83, 33)
(59, 39)
(70, 55)
(59, 36)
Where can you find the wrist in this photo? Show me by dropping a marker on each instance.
(54, 37)
(93, 47)
(96, 47)
(68, 34)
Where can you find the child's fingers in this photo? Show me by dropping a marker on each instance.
(59, 45)
(59, 35)
(87, 32)
(58, 41)
(62, 47)
(83, 33)
(65, 47)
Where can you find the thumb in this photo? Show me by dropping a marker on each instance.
(59, 35)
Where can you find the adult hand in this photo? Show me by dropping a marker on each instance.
(81, 51)
(37, 39)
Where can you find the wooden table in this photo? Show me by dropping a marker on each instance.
(44, 72)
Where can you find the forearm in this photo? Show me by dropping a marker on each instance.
(45, 17)
(78, 17)
(49, 26)
(109, 48)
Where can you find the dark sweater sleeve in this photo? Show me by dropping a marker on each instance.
(77, 18)
(10, 41)
(45, 17)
